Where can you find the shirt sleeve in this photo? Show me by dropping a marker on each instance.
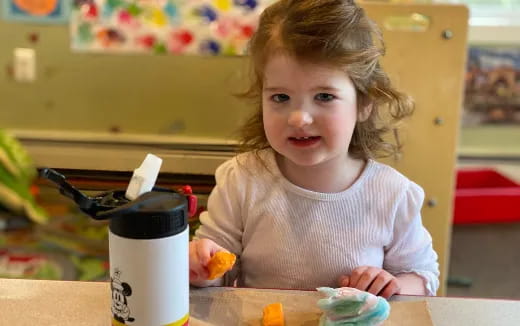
(411, 250)
(222, 221)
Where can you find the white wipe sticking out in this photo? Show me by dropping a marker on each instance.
(144, 177)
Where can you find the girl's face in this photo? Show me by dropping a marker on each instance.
(309, 111)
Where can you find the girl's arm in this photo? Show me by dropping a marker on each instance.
(411, 284)
(222, 222)
(410, 255)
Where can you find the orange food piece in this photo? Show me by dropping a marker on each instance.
(220, 263)
(273, 315)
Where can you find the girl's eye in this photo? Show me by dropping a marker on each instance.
(279, 98)
(324, 97)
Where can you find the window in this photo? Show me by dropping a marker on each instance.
(494, 21)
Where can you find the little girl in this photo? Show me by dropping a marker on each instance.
(306, 205)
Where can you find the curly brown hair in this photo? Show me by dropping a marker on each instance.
(332, 32)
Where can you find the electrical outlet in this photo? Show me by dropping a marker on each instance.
(24, 67)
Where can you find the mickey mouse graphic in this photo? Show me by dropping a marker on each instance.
(120, 290)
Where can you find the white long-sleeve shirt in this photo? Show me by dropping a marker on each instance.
(293, 238)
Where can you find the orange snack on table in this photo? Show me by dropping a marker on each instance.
(220, 263)
(273, 315)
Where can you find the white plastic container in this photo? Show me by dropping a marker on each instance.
(148, 247)
(149, 266)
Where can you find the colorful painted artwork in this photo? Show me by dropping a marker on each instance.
(37, 11)
(194, 27)
(492, 86)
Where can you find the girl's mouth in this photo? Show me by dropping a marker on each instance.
(304, 141)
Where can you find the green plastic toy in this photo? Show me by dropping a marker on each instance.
(16, 175)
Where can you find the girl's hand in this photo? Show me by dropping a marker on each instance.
(372, 279)
(201, 252)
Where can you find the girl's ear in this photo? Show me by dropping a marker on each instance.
(364, 112)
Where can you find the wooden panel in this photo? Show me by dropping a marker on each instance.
(431, 69)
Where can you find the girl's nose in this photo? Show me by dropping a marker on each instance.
(300, 118)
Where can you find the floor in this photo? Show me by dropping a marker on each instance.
(485, 259)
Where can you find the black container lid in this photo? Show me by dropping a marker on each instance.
(153, 215)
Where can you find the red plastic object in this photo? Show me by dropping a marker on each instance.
(192, 199)
(187, 190)
(485, 196)
(192, 205)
